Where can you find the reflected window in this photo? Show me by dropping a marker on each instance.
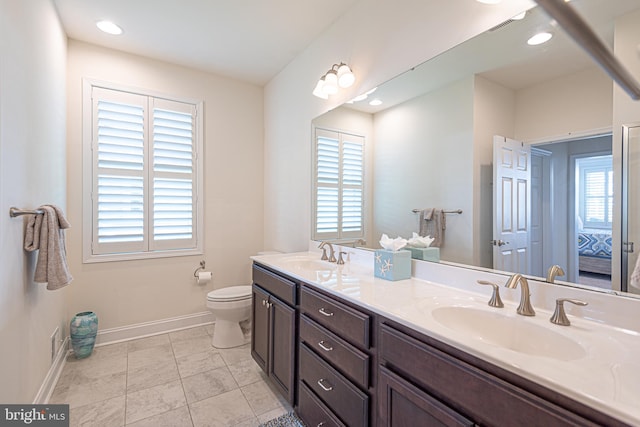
(595, 195)
(338, 185)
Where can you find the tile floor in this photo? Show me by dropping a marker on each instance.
(175, 379)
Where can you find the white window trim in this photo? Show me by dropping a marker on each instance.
(582, 188)
(87, 175)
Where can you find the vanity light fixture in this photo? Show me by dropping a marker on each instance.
(109, 27)
(339, 76)
(539, 38)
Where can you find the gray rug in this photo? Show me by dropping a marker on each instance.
(287, 420)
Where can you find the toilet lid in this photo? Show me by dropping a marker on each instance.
(230, 293)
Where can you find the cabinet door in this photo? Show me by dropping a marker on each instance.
(260, 327)
(404, 405)
(283, 337)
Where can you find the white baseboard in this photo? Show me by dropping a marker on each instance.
(156, 327)
(50, 381)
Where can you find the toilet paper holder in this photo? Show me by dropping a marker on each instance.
(195, 273)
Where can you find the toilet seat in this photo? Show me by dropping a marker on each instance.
(230, 294)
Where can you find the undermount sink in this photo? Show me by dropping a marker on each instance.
(308, 263)
(510, 332)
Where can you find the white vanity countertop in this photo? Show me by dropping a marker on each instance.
(600, 368)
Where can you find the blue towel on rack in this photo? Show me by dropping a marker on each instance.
(46, 233)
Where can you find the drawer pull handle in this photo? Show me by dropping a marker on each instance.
(325, 313)
(322, 345)
(321, 424)
(324, 387)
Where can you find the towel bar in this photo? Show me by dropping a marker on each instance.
(14, 212)
(457, 211)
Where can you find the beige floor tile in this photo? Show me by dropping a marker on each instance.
(253, 422)
(179, 417)
(150, 356)
(83, 370)
(148, 342)
(262, 398)
(199, 362)
(199, 331)
(153, 401)
(224, 410)
(151, 375)
(235, 355)
(246, 372)
(192, 345)
(90, 391)
(208, 384)
(108, 412)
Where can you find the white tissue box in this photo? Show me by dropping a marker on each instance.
(392, 265)
(426, 254)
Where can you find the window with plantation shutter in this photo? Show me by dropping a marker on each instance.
(143, 187)
(338, 185)
(596, 191)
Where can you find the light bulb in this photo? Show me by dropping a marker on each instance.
(345, 76)
(318, 90)
(330, 86)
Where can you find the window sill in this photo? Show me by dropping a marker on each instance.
(136, 256)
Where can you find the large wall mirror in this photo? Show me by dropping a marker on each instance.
(430, 144)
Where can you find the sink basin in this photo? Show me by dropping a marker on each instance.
(308, 263)
(509, 332)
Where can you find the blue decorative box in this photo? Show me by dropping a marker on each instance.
(426, 254)
(392, 265)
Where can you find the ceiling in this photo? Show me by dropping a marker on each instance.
(502, 56)
(251, 40)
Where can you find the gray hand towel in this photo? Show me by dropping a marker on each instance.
(46, 233)
(432, 223)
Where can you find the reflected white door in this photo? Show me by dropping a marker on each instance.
(631, 206)
(511, 205)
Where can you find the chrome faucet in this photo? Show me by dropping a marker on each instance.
(554, 270)
(332, 255)
(525, 308)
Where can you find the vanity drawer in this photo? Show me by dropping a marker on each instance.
(352, 362)
(279, 286)
(468, 389)
(313, 412)
(350, 324)
(349, 403)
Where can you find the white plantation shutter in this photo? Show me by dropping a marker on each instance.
(596, 191)
(144, 175)
(339, 181)
(173, 175)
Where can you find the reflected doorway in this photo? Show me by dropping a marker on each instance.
(575, 206)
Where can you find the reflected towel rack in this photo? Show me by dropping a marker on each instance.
(457, 211)
(14, 212)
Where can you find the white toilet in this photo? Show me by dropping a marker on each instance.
(230, 306)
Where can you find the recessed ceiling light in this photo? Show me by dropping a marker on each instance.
(109, 27)
(539, 38)
(520, 16)
(375, 102)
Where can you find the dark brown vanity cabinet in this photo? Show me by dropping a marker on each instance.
(427, 383)
(335, 362)
(273, 328)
